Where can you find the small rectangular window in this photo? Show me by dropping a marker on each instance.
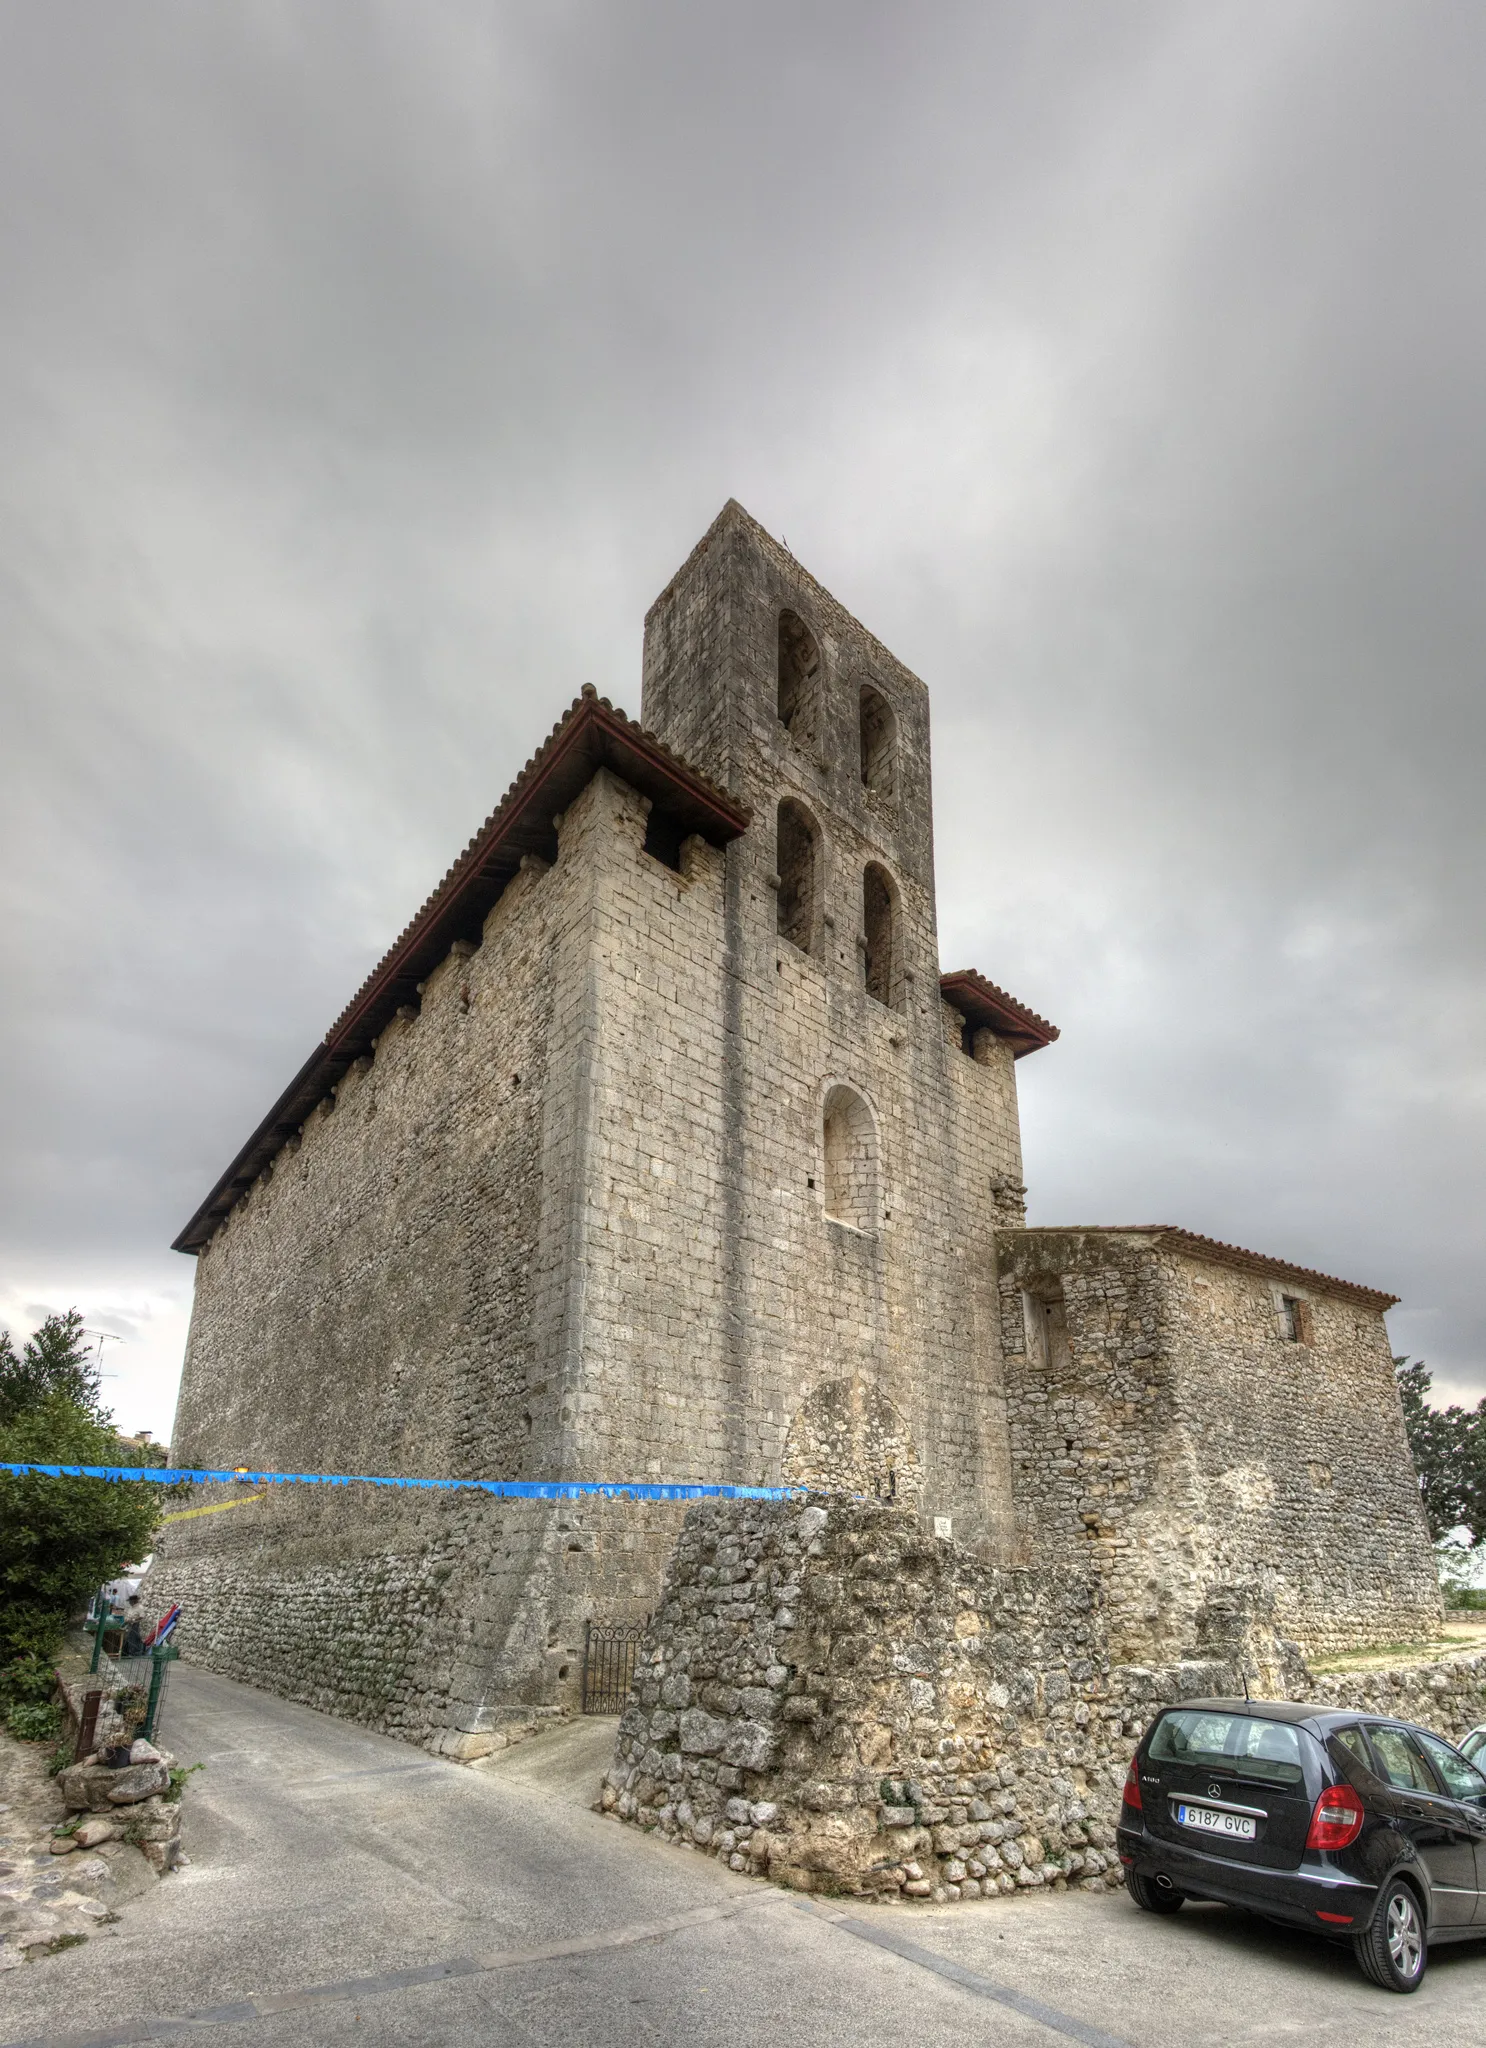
(1295, 1319)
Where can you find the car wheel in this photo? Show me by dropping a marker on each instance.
(1152, 1898)
(1393, 1949)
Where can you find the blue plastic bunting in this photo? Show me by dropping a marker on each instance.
(503, 1489)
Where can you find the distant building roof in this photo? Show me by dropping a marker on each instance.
(591, 735)
(980, 1002)
(1195, 1246)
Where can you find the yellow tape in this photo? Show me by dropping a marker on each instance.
(218, 1508)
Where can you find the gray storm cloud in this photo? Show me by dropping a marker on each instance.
(367, 370)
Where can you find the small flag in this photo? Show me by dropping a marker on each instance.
(163, 1627)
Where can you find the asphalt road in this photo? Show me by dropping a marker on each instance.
(344, 1888)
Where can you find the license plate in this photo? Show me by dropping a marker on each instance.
(1235, 1826)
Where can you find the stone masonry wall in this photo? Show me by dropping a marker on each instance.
(822, 1320)
(1448, 1696)
(397, 1295)
(834, 1699)
(432, 1617)
(1165, 1431)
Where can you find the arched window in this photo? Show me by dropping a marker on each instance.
(799, 677)
(798, 855)
(851, 1160)
(879, 742)
(880, 932)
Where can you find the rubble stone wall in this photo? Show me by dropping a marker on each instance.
(830, 1696)
(833, 1698)
(1166, 1431)
(431, 1617)
(1448, 1697)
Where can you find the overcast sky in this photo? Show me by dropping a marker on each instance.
(365, 370)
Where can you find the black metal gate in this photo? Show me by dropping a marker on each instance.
(609, 1652)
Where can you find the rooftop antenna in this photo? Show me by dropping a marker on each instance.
(1243, 1672)
(104, 1337)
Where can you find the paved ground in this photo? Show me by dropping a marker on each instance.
(344, 1888)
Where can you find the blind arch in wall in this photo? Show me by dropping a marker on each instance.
(850, 1159)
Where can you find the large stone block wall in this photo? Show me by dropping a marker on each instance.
(710, 690)
(835, 1699)
(874, 1349)
(399, 1294)
(1164, 1430)
(368, 1304)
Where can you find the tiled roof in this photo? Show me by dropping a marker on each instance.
(590, 735)
(1194, 1245)
(980, 1002)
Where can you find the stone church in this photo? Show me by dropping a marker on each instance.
(658, 1147)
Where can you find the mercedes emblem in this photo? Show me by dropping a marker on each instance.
(1213, 1791)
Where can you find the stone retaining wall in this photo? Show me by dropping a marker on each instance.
(829, 1696)
(1449, 1697)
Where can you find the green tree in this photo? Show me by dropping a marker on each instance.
(59, 1538)
(56, 1360)
(1448, 1446)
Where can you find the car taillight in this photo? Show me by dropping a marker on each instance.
(1337, 1819)
(1132, 1787)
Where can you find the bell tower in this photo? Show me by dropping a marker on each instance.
(861, 1144)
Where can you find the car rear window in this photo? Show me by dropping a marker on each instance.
(1243, 1745)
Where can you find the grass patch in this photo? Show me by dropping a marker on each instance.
(55, 1948)
(1386, 1654)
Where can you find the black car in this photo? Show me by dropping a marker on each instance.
(1354, 1826)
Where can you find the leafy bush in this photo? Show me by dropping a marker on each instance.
(61, 1538)
(26, 1680)
(34, 1721)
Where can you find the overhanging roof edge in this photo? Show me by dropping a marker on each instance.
(590, 735)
